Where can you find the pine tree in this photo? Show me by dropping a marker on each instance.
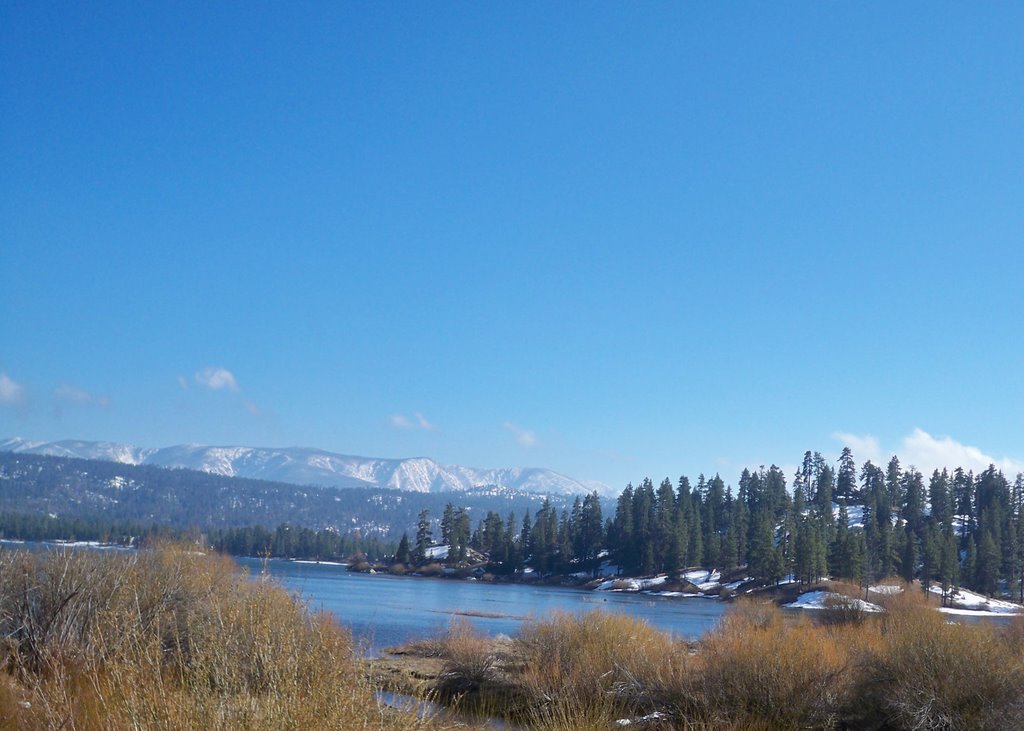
(526, 540)
(665, 522)
(987, 571)
(766, 561)
(858, 556)
(913, 501)
(846, 480)
(894, 483)
(622, 530)
(591, 530)
(908, 554)
(447, 519)
(402, 554)
(931, 558)
(840, 550)
(695, 546)
(941, 498)
(424, 537)
(949, 564)
(970, 569)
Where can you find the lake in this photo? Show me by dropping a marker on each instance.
(384, 610)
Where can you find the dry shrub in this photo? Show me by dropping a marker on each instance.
(756, 668)
(592, 667)
(470, 662)
(928, 673)
(170, 639)
(1013, 634)
(841, 609)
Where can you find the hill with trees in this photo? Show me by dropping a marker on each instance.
(955, 528)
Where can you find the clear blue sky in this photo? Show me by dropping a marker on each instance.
(612, 239)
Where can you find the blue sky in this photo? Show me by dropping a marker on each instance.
(611, 239)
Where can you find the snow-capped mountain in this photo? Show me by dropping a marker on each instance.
(305, 466)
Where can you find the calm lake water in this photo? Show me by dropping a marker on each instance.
(384, 610)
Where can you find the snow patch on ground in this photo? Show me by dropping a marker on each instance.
(887, 589)
(436, 552)
(854, 515)
(822, 599)
(649, 718)
(701, 576)
(631, 584)
(976, 603)
(974, 612)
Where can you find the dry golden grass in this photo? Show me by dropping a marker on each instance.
(170, 639)
(764, 669)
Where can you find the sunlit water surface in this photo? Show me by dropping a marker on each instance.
(383, 610)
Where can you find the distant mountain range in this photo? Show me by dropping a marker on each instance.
(306, 466)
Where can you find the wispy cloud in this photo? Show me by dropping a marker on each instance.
(12, 393)
(421, 420)
(927, 452)
(67, 395)
(417, 421)
(524, 437)
(216, 378)
(251, 408)
(183, 382)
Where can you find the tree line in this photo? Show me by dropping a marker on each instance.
(285, 541)
(953, 528)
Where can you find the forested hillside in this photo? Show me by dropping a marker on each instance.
(93, 490)
(953, 528)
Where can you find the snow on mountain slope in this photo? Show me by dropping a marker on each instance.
(109, 451)
(305, 466)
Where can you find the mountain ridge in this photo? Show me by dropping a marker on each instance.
(313, 466)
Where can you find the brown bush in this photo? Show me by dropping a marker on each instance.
(928, 673)
(470, 662)
(757, 668)
(170, 639)
(593, 666)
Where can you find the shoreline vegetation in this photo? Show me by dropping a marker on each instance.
(905, 668)
(171, 637)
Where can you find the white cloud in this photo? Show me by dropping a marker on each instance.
(864, 447)
(524, 437)
(418, 421)
(926, 452)
(11, 392)
(183, 382)
(252, 408)
(216, 378)
(68, 395)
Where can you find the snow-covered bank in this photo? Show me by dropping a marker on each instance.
(707, 584)
(967, 602)
(964, 603)
(831, 600)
